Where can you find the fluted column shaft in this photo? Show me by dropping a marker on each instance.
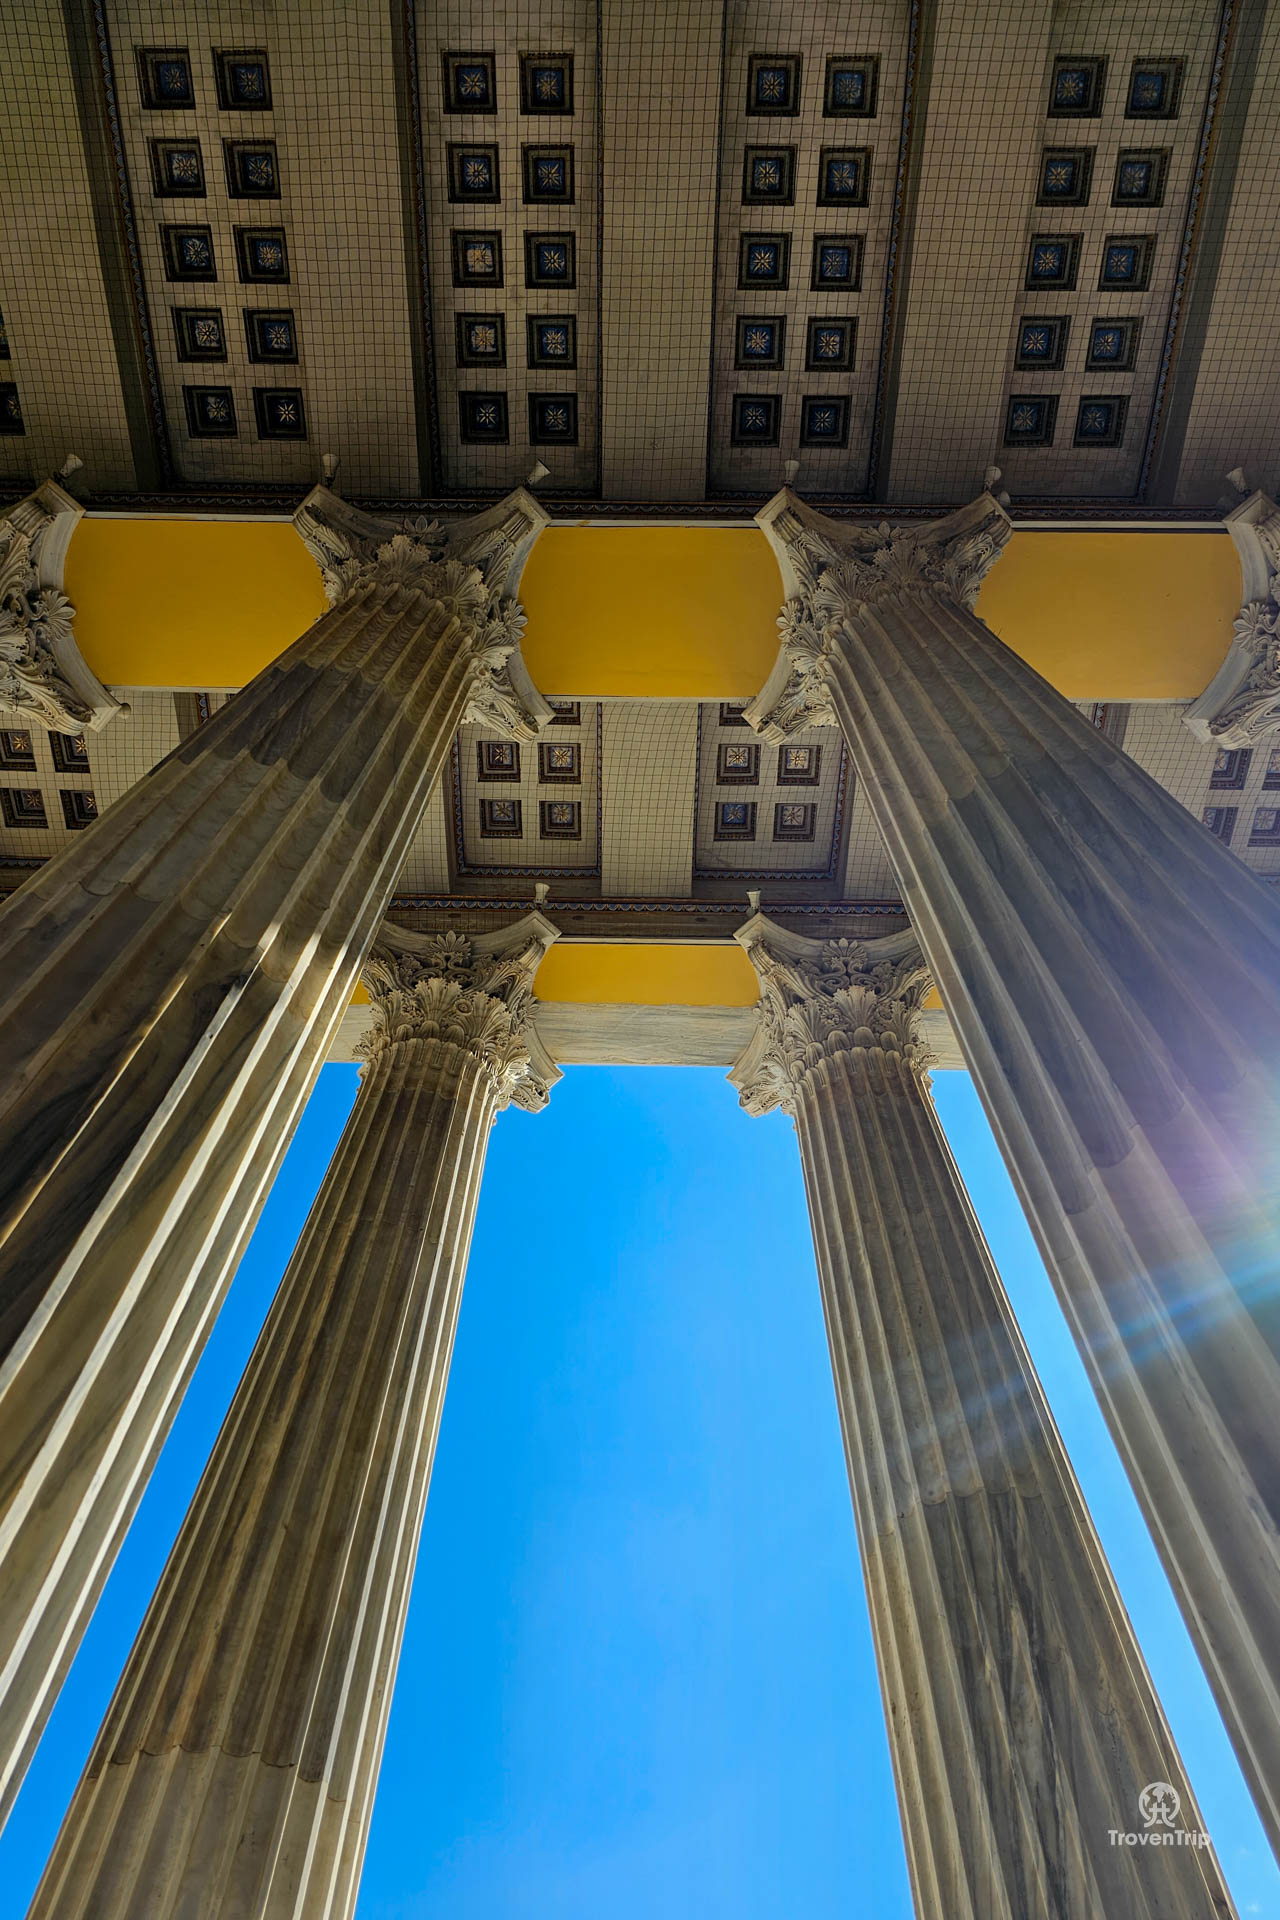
(172, 983)
(235, 1771)
(1022, 1722)
(1113, 974)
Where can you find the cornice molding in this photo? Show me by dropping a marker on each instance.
(819, 998)
(1241, 704)
(471, 568)
(43, 674)
(474, 992)
(576, 507)
(832, 571)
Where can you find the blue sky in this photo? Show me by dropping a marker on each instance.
(637, 1674)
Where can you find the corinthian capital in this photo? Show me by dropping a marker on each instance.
(43, 674)
(474, 992)
(822, 997)
(1241, 704)
(471, 568)
(831, 570)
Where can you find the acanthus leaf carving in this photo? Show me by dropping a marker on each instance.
(822, 997)
(42, 673)
(833, 571)
(1241, 704)
(470, 992)
(467, 570)
(1255, 708)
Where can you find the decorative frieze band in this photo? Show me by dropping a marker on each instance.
(1241, 704)
(822, 997)
(469, 991)
(831, 572)
(467, 573)
(43, 674)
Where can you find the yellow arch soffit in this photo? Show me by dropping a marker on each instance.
(654, 612)
(645, 976)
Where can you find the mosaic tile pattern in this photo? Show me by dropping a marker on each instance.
(768, 176)
(211, 412)
(851, 88)
(294, 114)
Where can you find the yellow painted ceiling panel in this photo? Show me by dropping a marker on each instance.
(1117, 616)
(638, 976)
(188, 603)
(646, 977)
(658, 612)
(665, 612)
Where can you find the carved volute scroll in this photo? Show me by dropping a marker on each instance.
(474, 992)
(472, 570)
(832, 570)
(821, 997)
(1241, 704)
(43, 674)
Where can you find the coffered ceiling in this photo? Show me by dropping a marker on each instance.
(664, 251)
(637, 816)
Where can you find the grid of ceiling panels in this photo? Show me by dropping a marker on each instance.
(1001, 123)
(261, 153)
(508, 100)
(1108, 194)
(766, 811)
(1235, 792)
(652, 827)
(59, 383)
(808, 170)
(530, 807)
(53, 785)
(993, 170)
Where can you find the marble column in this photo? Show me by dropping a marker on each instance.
(235, 1771)
(1022, 1722)
(1113, 975)
(172, 981)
